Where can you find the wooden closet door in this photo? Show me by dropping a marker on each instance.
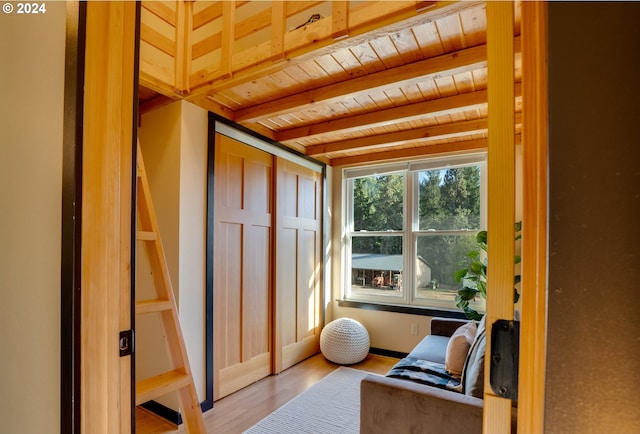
(242, 265)
(298, 264)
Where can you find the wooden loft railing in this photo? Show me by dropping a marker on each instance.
(190, 48)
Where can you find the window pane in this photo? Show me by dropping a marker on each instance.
(376, 265)
(378, 203)
(449, 199)
(438, 257)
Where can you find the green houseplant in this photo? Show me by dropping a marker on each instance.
(474, 276)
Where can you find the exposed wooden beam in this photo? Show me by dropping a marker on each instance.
(422, 135)
(154, 103)
(184, 32)
(228, 36)
(214, 107)
(278, 22)
(418, 151)
(406, 113)
(405, 75)
(301, 46)
(438, 107)
(396, 154)
(340, 17)
(150, 79)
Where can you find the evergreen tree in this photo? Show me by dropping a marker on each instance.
(429, 203)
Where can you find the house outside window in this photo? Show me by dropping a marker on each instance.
(409, 227)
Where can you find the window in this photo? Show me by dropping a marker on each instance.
(409, 227)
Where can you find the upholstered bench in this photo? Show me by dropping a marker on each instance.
(437, 388)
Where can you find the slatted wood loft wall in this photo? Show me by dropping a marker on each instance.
(187, 45)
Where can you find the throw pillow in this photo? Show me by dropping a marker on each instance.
(473, 371)
(458, 348)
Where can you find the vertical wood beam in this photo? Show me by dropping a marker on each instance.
(534, 240)
(106, 215)
(228, 36)
(501, 188)
(278, 30)
(340, 19)
(184, 32)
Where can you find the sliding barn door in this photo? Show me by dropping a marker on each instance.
(242, 266)
(298, 263)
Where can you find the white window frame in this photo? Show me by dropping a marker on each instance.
(410, 233)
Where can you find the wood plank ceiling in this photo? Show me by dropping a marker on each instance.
(415, 87)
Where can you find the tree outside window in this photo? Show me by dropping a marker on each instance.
(410, 230)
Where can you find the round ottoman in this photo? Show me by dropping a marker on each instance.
(344, 341)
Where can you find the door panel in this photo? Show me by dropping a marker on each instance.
(298, 264)
(242, 265)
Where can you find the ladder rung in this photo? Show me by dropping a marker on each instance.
(153, 387)
(150, 306)
(146, 236)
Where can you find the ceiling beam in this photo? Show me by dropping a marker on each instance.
(411, 74)
(380, 118)
(394, 19)
(404, 75)
(406, 153)
(409, 112)
(421, 135)
(401, 137)
(397, 154)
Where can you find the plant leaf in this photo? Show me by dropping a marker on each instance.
(461, 303)
(467, 294)
(460, 274)
(482, 289)
(472, 314)
(477, 267)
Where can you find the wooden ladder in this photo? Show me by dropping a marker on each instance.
(179, 378)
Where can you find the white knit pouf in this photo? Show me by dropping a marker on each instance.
(344, 341)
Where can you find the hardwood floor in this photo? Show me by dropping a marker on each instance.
(244, 408)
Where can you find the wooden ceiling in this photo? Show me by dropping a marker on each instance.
(408, 82)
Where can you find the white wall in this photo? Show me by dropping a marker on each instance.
(173, 140)
(31, 118)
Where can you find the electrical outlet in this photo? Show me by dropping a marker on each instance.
(414, 329)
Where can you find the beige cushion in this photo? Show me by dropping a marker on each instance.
(458, 348)
(473, 371)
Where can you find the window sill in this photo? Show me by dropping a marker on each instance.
(411, 310)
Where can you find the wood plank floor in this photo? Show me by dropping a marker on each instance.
(244, 408)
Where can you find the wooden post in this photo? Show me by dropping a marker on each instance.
(278, 29)
(106, 215)
(501, 189)
(340, 16)
(228, 37)
(182, 60)
(534, 240)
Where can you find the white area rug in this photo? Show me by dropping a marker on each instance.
(331, 406)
